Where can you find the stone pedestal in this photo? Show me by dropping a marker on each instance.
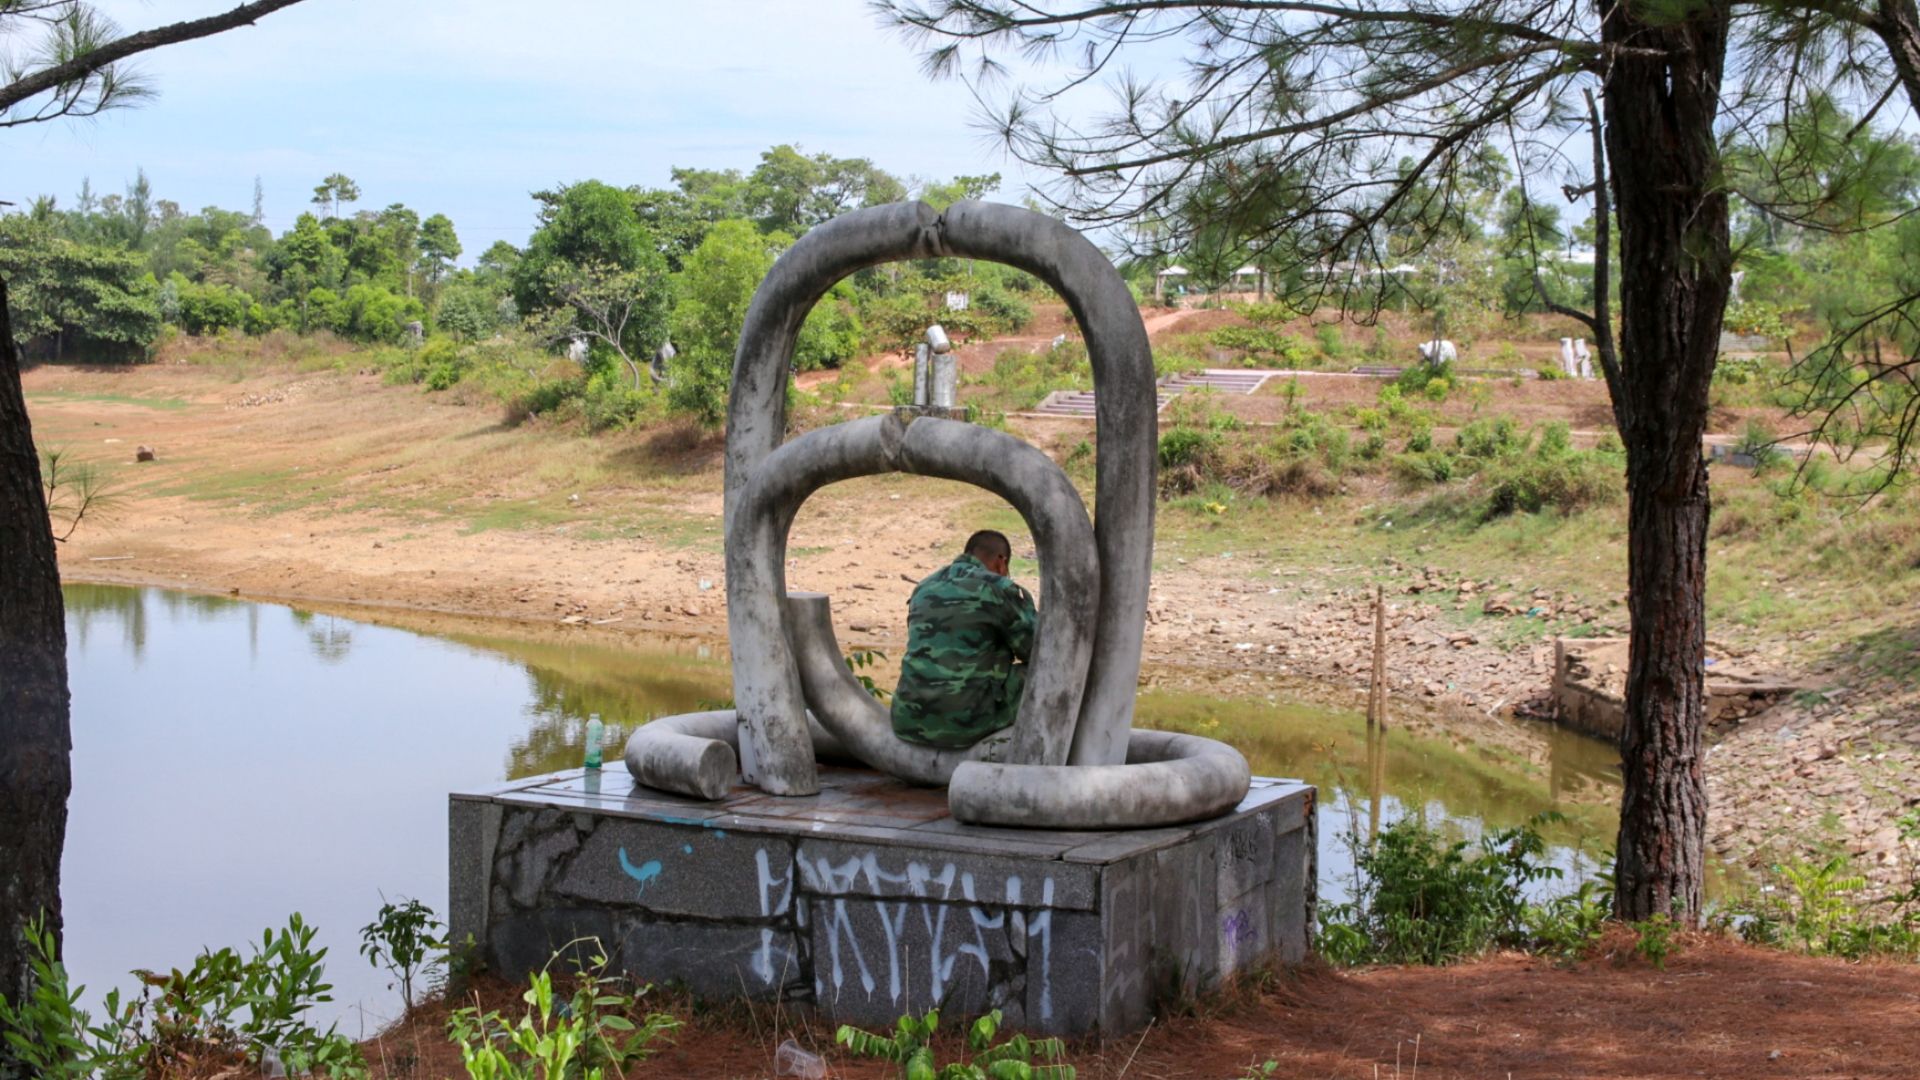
(869, 901)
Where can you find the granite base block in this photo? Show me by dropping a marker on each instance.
(868, 901)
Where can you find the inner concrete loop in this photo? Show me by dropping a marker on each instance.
(952, 450)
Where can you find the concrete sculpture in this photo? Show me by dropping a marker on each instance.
(1072, 759)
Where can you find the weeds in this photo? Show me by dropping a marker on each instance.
(222, 1011)
(401, 939)
(1813, 907)
(1653, 940)
(581, 1037)
(858, 661)
(910, 1046)
(1420, 899)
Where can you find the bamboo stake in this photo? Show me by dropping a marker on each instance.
(1377, 686)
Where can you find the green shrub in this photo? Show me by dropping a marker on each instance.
(1755, 318)
(402, 939)
(1556, 438)
(600, 1030)
(910, 1046)
(1488, 439)
(608, 402)
(440, 363)
(1201, 409)
(1818, 908)
(544, 398)
(1333, 343)
(1419, 899)
(1425, 466)
(1416, 379)
(1568, 481)
(1183, 447)
(1264, 344)
(1268, 314)
(1738, 370)
(223, 1009)
(1023, 379)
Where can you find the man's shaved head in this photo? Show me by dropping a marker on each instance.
(987, 545)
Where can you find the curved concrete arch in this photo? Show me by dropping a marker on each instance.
(768, 690)
(1126, 422)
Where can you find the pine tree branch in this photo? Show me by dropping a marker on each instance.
(86, 64)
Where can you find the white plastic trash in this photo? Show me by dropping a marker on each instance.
(791, 1060)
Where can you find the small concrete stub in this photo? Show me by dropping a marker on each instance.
(869, 901)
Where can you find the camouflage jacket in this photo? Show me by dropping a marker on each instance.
(969, 633)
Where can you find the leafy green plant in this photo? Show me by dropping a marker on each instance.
(48, 1034)
(249, 1006)
(1490, 438)
(910, 1046)
(1567, 924)
(1419, 899)
(401, 939)
(1417, 379)
(1815, 907)
(860, 659)
(222, 1010)
(1185, 446)
(561, 1039)
(1654, 939)
(1264, 344)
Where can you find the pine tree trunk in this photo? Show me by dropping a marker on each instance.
(35, 742)
(1675, 271)
(1898, 24)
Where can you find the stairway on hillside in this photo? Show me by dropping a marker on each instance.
(1079, 403)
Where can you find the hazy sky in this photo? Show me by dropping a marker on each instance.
(462, 107)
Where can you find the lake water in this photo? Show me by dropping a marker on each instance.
(235, 762)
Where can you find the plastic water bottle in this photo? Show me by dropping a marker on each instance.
(594, 730)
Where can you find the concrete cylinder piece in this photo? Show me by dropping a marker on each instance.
(937, 339)
(922, 377)
(946, 380)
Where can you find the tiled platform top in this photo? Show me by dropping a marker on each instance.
(856, 804)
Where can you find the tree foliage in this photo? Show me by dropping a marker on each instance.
(716, 286)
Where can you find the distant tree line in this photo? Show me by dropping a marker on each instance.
(620, 270)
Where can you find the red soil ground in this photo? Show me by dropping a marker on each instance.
(1718, 1009)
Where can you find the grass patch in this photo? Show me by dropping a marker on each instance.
(164, 404)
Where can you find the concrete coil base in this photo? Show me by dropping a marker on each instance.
(869, 900)
(1167, 779)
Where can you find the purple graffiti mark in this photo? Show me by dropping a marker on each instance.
(1237, 928)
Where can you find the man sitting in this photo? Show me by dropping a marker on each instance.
(969, 633)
